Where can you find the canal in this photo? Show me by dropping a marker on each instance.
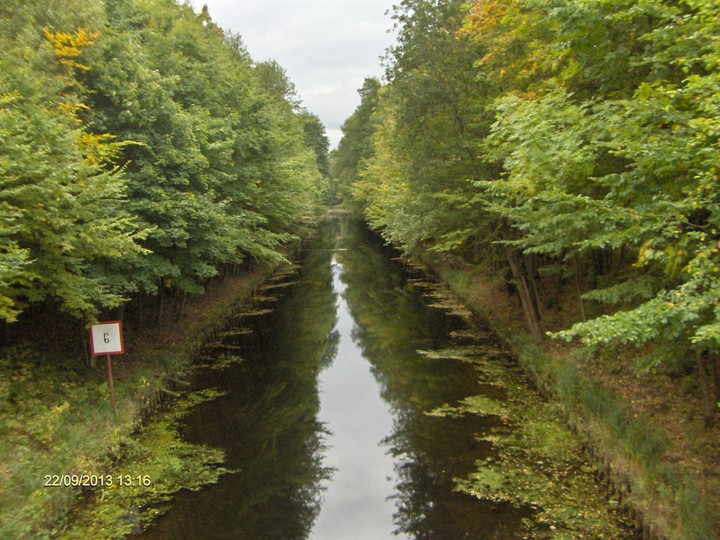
(344, 416)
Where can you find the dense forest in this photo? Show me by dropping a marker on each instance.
(144, 157)
(557, 162)
(142, 153)
(566, 149)
(568, 140)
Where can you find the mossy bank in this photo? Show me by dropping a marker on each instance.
(652, 452)
(61, 442)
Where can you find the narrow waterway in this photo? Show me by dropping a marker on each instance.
(324, 420)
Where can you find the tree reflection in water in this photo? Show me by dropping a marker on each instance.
(269, 423)
(393, 323)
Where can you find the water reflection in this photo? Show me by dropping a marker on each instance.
(355, 504)
(325, 420)
(428, 452)
(267, 422)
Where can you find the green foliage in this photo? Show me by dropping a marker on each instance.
(62, 202)
(157, 464)
(141, 149)
(580, 141)
(566, 132)
(357, 143)
(316, 138)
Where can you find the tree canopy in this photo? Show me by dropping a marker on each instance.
(141, 150)
(574, 138)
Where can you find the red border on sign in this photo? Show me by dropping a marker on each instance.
(122, 342)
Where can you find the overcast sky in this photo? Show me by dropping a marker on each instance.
(327, 47)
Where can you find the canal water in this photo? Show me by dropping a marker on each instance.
(324, 418)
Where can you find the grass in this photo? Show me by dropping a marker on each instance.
(634, 446)
(56, 417)
(56, 420)
(156, 464)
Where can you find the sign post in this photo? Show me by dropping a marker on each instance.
(106, 338)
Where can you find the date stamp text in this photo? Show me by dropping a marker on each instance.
(97, 480)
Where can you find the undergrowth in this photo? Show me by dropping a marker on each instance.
(55, 419)
(156, 464)
(632, 444)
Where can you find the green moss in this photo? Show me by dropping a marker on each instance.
(539, 465)
(479, 354)
(220, 362)
(157, 464)
(537, 462)
(480, 405)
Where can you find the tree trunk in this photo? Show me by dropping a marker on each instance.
(578, 285)
(709, 372)
(90, 359)
(141, 310)
(181, 307)
(530, 271)
(160, 302)
(526, 299)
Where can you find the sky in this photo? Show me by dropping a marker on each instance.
(327, 47)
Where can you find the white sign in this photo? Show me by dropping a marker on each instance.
(106, 338)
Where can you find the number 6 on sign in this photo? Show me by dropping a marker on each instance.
(106, 338)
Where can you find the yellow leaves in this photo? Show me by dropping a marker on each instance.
(9, 98)
(70, 108)
(645, 254)
(68, 47)
(103, 148)
(88, 140)
(511, 34)
(483, 24)
(95, 147)
(485, 15)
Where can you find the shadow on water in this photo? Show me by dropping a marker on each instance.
(325, 420)
(266, 423)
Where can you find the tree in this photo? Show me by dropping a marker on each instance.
(560, 135)
(356, 144)
(62, 198)
(211, 173)
(140, 151)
